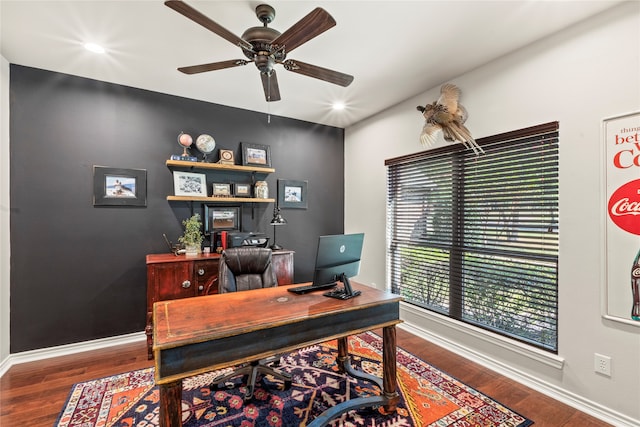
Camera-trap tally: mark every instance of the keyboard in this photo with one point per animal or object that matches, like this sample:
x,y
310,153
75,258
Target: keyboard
x,y
310,288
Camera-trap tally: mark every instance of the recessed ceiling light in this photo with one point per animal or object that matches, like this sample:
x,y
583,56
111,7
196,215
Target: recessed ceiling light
x,y
338,106
93,47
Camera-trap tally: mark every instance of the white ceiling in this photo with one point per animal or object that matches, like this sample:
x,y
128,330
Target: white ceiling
x,y
395,49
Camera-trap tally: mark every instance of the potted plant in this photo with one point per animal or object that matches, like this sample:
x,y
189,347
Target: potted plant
x,y
192,237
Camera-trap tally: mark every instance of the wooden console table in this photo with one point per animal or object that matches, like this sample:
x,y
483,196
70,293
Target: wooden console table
x,y
172,277
240,327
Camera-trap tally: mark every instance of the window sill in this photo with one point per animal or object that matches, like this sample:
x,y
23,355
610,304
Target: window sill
x,y
413,312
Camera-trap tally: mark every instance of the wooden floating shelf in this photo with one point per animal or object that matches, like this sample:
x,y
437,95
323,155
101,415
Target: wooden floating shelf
x,y
219,199
218,167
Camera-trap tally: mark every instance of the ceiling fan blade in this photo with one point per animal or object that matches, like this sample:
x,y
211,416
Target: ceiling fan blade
x,y
191,13
270,86
194,69
316,72
315,23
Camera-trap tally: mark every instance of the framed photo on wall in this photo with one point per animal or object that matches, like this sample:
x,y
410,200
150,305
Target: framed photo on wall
x,y
189,184
256,155
292,194
119,187
222,218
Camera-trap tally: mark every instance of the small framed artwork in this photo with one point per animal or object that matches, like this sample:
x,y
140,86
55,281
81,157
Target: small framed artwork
x,y
189,184
221,190
242,190
292,194
222,218
119,187
256,155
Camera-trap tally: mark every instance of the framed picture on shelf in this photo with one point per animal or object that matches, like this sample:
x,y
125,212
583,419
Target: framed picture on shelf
x,y
119,187
242,190
292,194
222,218
256,155
221,190
189,184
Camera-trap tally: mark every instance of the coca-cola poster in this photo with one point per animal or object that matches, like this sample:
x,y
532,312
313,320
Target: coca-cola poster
x,y
622,202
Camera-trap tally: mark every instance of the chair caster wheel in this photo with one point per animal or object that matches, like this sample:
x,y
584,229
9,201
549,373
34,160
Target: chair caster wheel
x,y
219,386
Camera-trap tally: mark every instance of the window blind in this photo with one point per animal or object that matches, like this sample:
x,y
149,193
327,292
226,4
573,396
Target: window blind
x,y
476,237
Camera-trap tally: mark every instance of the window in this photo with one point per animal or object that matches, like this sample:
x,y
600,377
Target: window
x,y
476,238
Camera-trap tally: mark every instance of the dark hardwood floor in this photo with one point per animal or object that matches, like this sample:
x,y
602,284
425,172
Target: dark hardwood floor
x,y
32,394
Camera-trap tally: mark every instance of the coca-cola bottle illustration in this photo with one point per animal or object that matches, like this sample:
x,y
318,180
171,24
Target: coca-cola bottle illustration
x,y
635,287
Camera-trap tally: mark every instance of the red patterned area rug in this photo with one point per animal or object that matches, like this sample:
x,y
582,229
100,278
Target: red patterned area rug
x,y
429,397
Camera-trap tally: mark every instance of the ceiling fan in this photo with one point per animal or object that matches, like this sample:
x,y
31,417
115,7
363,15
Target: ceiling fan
x,y
267,47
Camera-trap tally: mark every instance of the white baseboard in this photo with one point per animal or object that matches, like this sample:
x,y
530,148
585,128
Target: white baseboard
x,y
580,403
65,350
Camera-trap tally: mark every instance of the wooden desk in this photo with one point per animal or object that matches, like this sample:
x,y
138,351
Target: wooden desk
x,y
197,335
172,277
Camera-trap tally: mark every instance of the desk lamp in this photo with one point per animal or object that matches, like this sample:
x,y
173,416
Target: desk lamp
x,y
276,221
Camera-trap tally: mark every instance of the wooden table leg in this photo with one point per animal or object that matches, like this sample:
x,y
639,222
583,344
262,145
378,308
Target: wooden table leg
x,y
171,404
389,368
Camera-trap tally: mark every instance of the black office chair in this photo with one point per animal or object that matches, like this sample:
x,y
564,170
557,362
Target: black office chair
x,y
244,269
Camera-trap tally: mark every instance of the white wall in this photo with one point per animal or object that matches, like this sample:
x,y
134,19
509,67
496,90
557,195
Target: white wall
x,y
578,77
4,211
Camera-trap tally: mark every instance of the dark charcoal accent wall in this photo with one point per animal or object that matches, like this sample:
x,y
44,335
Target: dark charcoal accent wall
x,y
78,271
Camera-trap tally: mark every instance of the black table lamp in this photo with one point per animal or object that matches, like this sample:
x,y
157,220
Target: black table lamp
x,y
276,221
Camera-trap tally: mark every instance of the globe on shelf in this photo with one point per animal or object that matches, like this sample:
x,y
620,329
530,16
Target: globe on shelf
x,y
206,144
185,141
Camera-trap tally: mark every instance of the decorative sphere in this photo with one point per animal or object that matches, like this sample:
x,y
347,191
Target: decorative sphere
x,y
185,140
205,143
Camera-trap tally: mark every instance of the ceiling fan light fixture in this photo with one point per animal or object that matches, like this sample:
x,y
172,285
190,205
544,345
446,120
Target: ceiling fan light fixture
x,y
264,63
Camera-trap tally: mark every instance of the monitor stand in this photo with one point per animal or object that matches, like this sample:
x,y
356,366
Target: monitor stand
x,y
346,292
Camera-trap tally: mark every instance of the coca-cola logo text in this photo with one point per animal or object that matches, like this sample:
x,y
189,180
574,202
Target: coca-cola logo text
x,y
624,207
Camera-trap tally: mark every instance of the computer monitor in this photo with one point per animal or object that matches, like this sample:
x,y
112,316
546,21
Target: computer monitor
x,y
338,259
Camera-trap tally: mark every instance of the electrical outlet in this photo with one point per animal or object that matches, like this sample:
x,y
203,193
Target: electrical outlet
x,y
602,364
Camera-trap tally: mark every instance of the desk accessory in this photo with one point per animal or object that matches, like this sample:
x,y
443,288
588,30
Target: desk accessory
x,y
345,292
276,221
192,237
205,144
226,157
185,141
311,288
175,249
338,259
261,190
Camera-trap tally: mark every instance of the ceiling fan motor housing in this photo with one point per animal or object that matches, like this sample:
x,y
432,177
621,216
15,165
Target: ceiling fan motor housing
x,y
260,38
